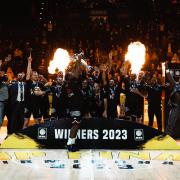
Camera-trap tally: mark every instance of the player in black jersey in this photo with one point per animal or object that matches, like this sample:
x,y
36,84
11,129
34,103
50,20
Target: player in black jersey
x,y
174,102
154,90
59,98
35,91
74,99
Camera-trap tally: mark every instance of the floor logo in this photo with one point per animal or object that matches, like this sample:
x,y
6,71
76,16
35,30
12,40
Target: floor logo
x,y
138,134
42,133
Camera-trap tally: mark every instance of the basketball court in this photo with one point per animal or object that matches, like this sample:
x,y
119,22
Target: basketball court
x,y
88,164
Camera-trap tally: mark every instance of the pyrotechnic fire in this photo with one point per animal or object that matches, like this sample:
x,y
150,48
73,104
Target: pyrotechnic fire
x,y
136,56
60,61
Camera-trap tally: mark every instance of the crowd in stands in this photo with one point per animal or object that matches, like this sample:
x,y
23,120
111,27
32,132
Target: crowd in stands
x,y
104,45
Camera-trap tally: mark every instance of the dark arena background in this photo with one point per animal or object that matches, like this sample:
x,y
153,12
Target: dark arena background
x,y
116,138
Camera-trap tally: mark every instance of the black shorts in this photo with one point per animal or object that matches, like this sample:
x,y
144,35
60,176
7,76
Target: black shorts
x,y
75,116
36,112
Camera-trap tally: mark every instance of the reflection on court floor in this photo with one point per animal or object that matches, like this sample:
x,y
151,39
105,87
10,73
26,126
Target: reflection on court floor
x,y
89,164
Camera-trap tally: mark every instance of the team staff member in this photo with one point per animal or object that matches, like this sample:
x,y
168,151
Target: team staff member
x,y
17,91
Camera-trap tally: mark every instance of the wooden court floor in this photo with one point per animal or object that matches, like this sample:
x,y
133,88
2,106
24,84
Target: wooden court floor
x,y
28,164
89,165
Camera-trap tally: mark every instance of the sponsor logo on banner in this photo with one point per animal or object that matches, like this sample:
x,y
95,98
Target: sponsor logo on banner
x,y
138,134
42,133
177,72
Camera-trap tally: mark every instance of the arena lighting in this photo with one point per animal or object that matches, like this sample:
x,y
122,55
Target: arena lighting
x,y
60,61
136,56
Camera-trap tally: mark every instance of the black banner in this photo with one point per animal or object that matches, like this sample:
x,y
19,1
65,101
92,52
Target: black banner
x,y
94,133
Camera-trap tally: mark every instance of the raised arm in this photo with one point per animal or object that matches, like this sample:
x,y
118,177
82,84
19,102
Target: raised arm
x,y
142,94
28,74
103,73
170,77
80,66
105,108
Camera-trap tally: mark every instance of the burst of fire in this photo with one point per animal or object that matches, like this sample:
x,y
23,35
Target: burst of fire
x,y
60,61
136,56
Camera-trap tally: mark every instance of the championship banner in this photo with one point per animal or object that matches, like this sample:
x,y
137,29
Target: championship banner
x,y
94,133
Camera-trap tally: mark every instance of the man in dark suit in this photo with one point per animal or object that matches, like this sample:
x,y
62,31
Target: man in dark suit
x,y
17,97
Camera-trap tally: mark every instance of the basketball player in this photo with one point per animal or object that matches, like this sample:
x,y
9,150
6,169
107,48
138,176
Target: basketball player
x,y
174,101
74,105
